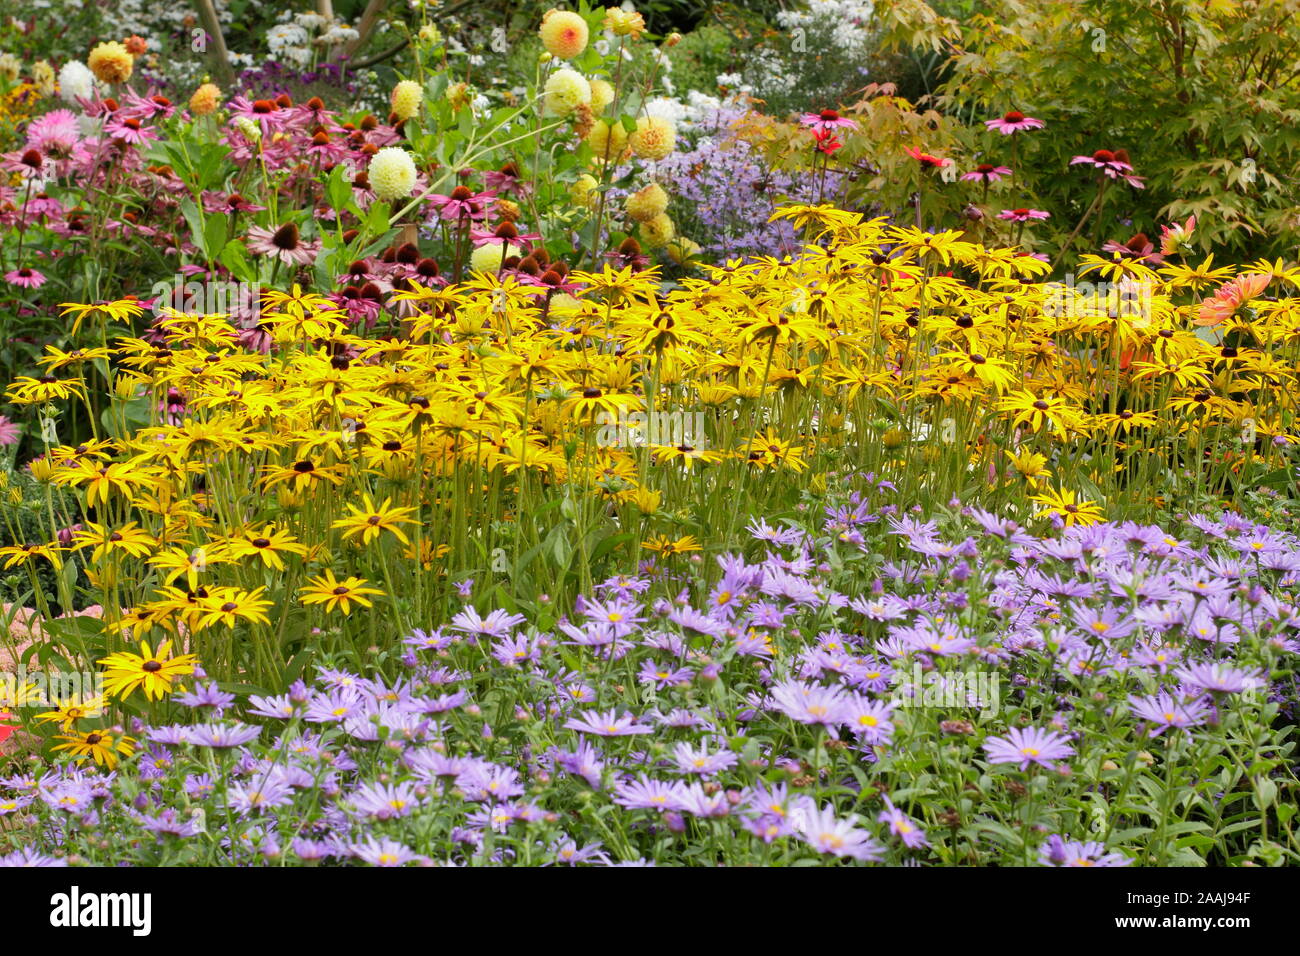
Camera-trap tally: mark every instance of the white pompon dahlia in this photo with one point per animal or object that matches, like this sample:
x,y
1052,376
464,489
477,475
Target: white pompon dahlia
x,y
392,173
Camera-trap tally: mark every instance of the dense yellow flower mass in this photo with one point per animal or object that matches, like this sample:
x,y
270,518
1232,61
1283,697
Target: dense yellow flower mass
x,y
339,471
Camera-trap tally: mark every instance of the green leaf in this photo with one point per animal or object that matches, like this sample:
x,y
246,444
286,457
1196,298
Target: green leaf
x,y
214,237
338,190
235,258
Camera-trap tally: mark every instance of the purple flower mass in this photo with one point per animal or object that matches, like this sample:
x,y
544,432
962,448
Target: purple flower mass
x,y
365,767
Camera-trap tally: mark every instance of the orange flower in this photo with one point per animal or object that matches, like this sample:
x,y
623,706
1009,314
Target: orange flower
x,y
1230,296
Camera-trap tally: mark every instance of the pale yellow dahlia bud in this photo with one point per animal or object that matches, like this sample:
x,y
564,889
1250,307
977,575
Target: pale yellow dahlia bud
x,y
565,91
406,99
623,23
672,40
490,256
43,77
458,96
563,33
252,132
682,250
602,94
654,138
111,63
583,191
392,173
429,35
657,232
607,140
10,66
507,210
205,100
645,204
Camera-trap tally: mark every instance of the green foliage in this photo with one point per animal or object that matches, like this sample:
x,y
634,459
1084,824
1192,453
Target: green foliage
x,y
26,520
1205,97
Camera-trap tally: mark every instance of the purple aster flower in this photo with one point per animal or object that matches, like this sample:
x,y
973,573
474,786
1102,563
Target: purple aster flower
x,y
277,708
810,703
385,801
489,781
870,720
583,761
1220,678
822,830
1058,851
1028,745
264,794
695,800
169,823
221,737
902,826
1162,712
383,852
498,623
568,851
698,760
647,794
206,696
334,706
199,786
28,856
607,724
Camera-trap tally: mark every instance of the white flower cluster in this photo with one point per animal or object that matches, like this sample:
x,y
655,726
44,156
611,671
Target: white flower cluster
x,y
289,43
842,23
76,82
293,38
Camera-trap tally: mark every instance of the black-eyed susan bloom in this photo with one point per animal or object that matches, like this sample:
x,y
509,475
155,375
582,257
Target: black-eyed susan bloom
x,y
1065,505
68,713
154,672
266,546
370,521
303,474
27,390
120,310
338,594
190,562
768,450
102,746
128,539
101,480
20,554
229,605
667,546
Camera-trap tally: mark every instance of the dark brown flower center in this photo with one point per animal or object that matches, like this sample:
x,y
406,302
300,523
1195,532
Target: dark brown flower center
x,y
286,238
